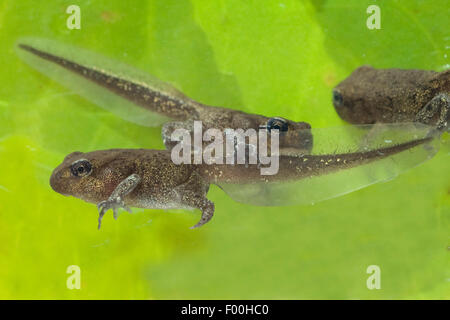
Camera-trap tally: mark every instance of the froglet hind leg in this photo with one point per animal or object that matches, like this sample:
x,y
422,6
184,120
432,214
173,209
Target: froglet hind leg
x,y
207,208
192,194
115,200
438,109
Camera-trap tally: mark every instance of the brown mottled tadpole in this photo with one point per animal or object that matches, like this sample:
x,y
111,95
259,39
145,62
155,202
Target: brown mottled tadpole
x,y
144,178
150,96
393,95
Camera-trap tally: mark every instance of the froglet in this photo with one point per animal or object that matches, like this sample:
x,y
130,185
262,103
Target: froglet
x,y
143,99
144,178
372,95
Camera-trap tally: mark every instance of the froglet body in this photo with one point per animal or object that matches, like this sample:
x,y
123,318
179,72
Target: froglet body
x,y
119,178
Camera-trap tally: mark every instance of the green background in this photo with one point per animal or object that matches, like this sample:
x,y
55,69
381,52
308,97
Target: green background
x,y
269,57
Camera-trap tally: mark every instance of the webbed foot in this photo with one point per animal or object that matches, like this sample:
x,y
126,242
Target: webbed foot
x,y
114,204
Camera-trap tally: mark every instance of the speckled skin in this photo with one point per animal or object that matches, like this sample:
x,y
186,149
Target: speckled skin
x,y
175,105
162,184
372,95
159,176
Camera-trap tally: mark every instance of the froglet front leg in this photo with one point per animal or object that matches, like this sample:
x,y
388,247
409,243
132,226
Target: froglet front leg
x,y
437,110
115,200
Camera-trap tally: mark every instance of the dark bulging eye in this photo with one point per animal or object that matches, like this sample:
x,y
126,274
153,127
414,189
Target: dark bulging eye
x,y
338,100
278,124
81,168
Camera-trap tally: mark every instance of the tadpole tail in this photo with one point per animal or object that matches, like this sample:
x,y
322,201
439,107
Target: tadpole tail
x,y
157,97
293,168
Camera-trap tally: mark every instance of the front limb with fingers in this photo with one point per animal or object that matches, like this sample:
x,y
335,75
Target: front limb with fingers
x,y
115,200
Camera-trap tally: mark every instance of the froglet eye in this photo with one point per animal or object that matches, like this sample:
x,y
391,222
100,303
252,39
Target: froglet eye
x,y
338,100
277,123
81,168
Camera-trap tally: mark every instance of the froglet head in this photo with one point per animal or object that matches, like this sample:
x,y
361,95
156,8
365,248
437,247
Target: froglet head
x,y
349,96
90,176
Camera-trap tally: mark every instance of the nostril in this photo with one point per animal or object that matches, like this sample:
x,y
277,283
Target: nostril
x,y
338,100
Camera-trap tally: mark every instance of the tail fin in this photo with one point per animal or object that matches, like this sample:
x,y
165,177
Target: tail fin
x,y
119,88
